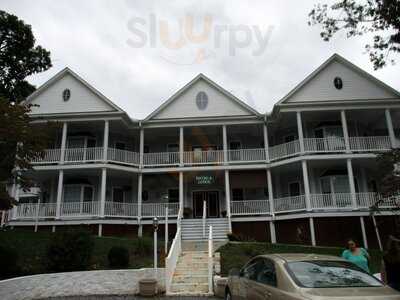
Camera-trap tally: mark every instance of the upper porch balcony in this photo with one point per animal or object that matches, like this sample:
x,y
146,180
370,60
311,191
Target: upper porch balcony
x,y
291,135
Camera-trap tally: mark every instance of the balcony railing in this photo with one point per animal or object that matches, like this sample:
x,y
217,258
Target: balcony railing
x,y
190,158
30,210
79,209
158,209
117,209
250,207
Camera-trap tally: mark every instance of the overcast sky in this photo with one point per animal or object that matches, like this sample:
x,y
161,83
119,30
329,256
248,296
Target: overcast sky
x,y
138,53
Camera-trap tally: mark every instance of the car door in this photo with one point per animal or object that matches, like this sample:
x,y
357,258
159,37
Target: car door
x,y
246,275
265,285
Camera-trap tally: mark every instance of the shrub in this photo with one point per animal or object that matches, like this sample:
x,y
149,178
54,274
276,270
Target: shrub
x,y
118,257
69,251
144,246
8,262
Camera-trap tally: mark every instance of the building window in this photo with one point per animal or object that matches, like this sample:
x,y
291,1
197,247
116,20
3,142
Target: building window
x,y
173,196
338,83
78,193
202,100
145,195
66,94
237,194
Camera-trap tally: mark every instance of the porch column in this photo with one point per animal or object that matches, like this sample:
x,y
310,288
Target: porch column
x,y
100,230
345,130
141,147
225,143
103,191
63,142
105,139
312,232
228,199
139,201
181,145
266,145
364,234
351,183
306,185
300,131
59,193
389,125
15,194
271,207
181,193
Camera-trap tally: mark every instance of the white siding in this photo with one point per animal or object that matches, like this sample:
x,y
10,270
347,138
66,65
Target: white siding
x,y
185,105
82,99
355,86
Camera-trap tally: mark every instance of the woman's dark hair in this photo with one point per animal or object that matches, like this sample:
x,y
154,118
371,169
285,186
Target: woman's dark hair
x,y
351,240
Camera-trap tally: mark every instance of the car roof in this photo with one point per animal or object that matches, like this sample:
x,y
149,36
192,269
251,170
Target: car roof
x,y
288,257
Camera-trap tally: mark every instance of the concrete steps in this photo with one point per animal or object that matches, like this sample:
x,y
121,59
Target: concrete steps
x,y
192,229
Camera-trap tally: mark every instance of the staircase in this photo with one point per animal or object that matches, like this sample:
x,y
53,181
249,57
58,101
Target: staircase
x,y
192,229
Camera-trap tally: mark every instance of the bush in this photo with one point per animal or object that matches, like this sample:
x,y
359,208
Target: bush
x,y
69,251
8,262
144,246
118,257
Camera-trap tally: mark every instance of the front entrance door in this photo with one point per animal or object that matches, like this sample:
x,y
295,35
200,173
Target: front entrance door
x,y
212,204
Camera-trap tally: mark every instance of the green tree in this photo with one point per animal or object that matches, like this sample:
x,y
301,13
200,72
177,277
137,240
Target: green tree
x,y
20,142
376,18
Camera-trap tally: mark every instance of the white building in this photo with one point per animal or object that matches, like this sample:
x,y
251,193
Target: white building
x,y
303,173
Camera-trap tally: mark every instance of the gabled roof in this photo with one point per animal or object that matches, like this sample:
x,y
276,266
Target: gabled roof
x,y
60,75
336,57
211,83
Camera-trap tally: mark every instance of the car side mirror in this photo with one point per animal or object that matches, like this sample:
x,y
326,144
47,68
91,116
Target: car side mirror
x,y
235,272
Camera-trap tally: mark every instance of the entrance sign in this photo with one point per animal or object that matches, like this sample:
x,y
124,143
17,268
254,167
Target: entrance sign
x,y
204,179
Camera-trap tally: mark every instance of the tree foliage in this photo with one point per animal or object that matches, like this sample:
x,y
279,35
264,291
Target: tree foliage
x,y
378,18
389,172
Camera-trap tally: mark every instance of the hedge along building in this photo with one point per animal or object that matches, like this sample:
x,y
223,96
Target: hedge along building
x,y
302,174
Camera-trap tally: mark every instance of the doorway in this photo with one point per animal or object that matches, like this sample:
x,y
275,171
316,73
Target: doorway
x,y
212,203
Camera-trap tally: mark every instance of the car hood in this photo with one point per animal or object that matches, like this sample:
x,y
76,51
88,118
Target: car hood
x,y
365,293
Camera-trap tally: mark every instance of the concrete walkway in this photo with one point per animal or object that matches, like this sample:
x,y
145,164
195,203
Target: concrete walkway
x,y
60,285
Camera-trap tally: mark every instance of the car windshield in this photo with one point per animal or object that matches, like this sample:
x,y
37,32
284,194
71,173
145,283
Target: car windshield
x,y
326,274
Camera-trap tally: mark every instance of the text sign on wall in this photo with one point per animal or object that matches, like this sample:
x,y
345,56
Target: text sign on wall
x,y
204,179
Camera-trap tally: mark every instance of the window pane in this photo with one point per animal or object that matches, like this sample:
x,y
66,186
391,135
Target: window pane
x,y
88,194
72,193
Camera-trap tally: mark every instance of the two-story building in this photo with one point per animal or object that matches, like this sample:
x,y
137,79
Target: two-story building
x,y
304,173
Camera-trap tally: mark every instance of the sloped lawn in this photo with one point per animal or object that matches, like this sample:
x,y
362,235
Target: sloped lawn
x,y
236,254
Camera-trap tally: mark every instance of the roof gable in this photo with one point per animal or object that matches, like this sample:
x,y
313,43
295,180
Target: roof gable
x,y
83,98
182,104
357,84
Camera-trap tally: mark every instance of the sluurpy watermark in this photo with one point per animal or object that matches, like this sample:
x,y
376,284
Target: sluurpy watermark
x,y
201,44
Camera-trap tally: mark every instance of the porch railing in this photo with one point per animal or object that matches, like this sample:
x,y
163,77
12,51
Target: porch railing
x,y
77,209
50,156
203,157
117,209
328,144
29,210
84,154
246,155
250,207
331,201
290,204
158,209
123,156
172,259
161,159
284,150
210,260
369,143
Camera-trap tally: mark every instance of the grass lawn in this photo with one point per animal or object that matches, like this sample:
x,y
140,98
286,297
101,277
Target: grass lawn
x,y
31,248
236,254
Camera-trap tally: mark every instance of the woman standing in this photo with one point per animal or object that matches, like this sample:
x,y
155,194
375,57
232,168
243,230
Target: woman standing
x,y
357,255
391,264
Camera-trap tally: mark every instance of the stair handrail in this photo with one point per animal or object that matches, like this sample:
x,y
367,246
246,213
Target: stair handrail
x,y
172,259
204,218
210,260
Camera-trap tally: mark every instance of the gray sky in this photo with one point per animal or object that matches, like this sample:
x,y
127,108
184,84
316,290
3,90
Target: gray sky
x,y
116,47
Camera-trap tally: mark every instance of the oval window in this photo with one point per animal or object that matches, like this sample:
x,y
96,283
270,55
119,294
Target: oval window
x,y
66,94
202,100
338,83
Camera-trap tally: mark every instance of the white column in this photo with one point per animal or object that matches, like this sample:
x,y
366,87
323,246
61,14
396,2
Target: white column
x,y
103,189
139,200
181,192
272,231
270,192
63,142
306,184
312,232
225,143
228,199
351,183
345,130
266,145
390,128
15,194
59,193
105,139
300,131
100,230
181,145
364,234
141,147
53,228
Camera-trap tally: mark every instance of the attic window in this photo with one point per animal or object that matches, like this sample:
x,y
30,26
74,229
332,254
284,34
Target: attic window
x,y
338,83
66,94
202,100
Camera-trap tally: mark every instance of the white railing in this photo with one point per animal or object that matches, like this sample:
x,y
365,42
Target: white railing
x,y
203,157
284,150
117,209
328,144
369,143
30,210
50,156
246,155
250,207
172,259
84,154
161,158
123,156
290,204
204,218
77,209
331,201
158,209
210,260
